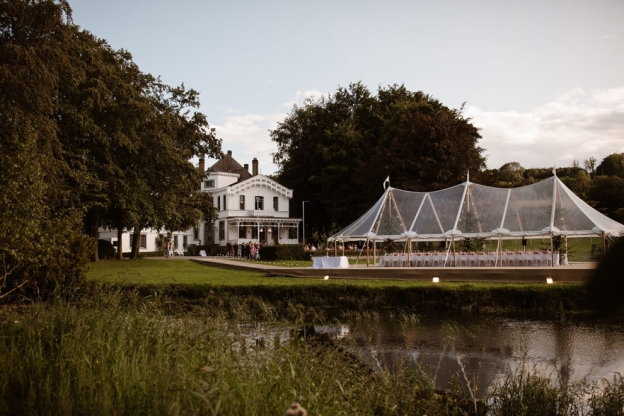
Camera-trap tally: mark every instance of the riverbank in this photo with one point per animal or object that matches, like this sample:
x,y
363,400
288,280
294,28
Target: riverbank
x,y
189,285
129,350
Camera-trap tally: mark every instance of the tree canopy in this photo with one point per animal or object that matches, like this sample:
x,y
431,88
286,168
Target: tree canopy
x,y
336,151
86,138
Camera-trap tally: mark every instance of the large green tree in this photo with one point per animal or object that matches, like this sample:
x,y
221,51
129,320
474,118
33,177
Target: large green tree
x,y
336,151
86,139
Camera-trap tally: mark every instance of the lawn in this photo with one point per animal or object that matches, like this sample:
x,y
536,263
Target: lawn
x,y
186,272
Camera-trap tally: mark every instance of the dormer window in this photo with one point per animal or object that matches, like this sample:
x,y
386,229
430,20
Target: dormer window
x,y
209,184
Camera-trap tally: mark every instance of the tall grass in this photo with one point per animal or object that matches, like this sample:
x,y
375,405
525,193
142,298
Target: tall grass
x,y
112,355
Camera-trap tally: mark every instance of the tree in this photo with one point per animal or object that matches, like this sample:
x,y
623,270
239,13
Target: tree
x,y
612,165
39,224
607,195
511,174
590,166
336,151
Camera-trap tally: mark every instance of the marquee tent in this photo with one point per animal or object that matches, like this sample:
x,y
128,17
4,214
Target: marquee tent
x,y
544,209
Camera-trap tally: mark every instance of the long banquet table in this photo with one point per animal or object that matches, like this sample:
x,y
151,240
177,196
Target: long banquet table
x,y
328,262
468,260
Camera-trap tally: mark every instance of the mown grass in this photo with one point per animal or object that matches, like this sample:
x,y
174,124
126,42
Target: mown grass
x,y
195,284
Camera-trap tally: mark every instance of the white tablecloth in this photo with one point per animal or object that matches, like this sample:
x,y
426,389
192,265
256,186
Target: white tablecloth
x,y
330,262
468,260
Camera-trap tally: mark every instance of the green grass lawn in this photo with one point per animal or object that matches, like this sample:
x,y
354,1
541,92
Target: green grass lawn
x,y
186,272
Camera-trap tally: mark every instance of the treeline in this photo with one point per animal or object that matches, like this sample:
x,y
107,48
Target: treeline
x,y
337,150
86,139
600,185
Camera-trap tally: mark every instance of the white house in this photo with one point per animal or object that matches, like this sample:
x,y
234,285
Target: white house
x,y
251,208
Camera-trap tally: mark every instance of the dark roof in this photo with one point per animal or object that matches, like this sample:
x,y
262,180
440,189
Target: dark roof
x,y
228,164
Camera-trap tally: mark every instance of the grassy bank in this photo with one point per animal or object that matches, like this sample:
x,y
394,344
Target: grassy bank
x,y
191,284
108,356
123,353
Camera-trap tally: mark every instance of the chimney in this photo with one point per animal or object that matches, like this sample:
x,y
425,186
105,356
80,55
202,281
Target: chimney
x,y
246,166
229,153
202,166
254,164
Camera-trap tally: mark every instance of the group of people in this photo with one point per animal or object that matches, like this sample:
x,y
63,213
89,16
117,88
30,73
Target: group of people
x,y
169,249
248,250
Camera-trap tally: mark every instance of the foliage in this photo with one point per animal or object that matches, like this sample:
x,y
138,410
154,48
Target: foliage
x,y
612,165
284,252
332,149
606,286
86,139
607,194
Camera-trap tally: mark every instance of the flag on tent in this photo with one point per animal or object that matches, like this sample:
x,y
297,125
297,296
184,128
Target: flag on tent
x,y
387,181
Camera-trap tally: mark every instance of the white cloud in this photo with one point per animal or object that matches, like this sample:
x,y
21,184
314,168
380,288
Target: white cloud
x,y
247,135
607,36
576,125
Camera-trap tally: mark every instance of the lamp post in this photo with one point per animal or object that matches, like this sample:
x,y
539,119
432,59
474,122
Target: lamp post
x,y
303,210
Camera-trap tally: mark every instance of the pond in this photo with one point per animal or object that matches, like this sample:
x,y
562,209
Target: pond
x,y
476,349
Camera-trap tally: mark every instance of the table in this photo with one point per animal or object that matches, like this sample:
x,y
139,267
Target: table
x,y
328,262
468,260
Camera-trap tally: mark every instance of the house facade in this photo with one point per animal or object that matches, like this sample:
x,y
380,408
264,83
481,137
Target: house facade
x,y
250,208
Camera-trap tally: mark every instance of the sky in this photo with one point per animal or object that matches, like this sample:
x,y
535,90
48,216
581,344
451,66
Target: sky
x,y
543,80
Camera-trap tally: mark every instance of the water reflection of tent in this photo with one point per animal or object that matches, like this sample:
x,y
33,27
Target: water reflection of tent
x,y
544,209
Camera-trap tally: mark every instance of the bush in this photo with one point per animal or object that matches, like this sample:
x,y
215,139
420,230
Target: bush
x,y
105,250
284,252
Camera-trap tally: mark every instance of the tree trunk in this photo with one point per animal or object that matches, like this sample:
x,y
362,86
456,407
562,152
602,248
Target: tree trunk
x,y
136,243
93,228
119,245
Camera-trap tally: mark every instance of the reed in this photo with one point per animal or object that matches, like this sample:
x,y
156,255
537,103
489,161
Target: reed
x,y
119,355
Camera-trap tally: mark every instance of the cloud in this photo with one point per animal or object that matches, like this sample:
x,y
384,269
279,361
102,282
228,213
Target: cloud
x,y
247,134
607,36
576,125
301,96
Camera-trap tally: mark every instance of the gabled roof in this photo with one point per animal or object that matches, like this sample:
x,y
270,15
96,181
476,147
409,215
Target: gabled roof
x,y
259,181
469,210
229,165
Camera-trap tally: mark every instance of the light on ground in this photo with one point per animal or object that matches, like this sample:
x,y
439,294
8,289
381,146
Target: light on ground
x,y
549,281
326,277
436,280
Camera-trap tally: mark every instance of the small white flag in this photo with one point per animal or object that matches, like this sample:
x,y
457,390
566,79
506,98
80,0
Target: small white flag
x,y
387,181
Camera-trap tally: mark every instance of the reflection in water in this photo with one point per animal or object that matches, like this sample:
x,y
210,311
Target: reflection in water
x,y
476,349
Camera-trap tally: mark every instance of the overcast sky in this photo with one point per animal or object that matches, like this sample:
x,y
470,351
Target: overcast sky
x,y
544,80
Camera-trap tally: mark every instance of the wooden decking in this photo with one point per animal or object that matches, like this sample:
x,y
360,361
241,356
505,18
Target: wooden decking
x,y
575,272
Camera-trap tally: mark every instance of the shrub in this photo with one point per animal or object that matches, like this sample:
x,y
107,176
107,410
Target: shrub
x,y
284,252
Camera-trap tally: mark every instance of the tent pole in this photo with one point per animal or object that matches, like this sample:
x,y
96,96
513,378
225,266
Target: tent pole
x,y
342,248
409,249
367,253
500,256
552,250
454,258
335,249
374,252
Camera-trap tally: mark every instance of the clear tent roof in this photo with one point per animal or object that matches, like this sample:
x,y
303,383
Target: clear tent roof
x,y
471,210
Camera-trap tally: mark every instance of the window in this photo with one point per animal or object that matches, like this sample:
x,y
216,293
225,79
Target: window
x,y
218,203
142,240
221,230
242,232
259,203
175,242
209,184
224,208
196,233
184,241
242,202
275,203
